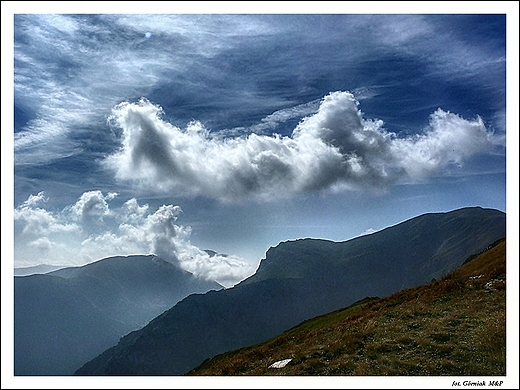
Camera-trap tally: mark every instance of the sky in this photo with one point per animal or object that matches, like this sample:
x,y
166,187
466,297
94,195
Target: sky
x,y
174,134
169,131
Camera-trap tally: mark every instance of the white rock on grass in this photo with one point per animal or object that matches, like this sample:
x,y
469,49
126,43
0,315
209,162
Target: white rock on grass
x,y
280,363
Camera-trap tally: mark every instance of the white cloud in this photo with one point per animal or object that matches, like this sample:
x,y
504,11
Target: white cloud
x,y
131,229
334,148
227,270
38,221
68,78
159,234
70,69
43,244
132,212
270,122
92,205
449,139
34,200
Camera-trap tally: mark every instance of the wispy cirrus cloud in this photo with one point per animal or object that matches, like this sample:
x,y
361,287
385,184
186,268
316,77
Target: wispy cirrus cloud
x,y
71,69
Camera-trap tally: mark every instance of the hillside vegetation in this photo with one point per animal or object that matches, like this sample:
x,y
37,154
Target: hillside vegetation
x,y
453,326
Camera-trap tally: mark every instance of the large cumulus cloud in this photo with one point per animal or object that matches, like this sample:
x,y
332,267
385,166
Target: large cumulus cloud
x,y
90,230
334,148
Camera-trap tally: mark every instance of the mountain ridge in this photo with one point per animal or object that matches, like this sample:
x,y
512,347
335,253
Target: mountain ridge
x,y
36,269
409,224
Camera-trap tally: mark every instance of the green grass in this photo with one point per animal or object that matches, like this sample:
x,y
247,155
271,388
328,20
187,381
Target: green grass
x,y
453,326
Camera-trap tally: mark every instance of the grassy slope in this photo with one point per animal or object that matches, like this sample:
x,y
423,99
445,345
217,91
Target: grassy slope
x,y
454,326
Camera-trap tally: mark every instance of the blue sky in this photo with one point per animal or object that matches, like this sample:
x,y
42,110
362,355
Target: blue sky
x,y
176,133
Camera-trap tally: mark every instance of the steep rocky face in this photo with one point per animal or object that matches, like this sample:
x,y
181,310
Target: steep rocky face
x,y
298,280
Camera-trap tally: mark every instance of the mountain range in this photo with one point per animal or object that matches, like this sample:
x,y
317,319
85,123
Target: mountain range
x,y
37,269
299,280
64,318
